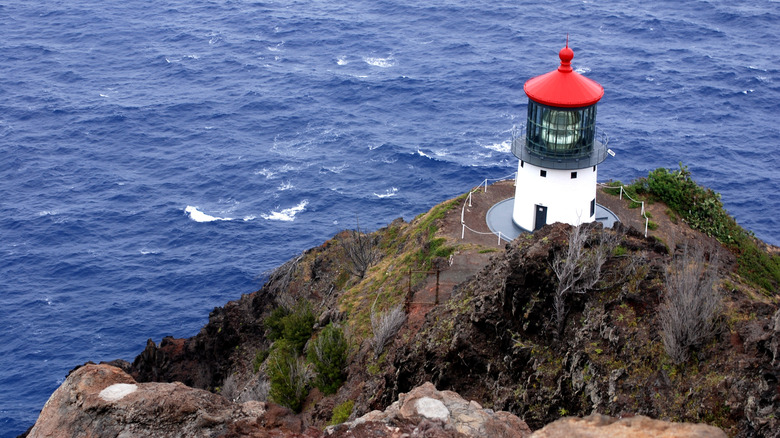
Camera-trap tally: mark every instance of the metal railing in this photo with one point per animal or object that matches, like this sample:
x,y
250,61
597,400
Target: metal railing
x,y
548,160
642,203
481,186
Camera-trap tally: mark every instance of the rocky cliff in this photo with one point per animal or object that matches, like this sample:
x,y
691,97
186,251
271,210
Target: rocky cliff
x,y
477,319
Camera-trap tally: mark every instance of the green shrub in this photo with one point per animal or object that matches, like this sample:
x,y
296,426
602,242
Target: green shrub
x,y
289,375
758,267
328,354
342,412
274,323
700,207
298,325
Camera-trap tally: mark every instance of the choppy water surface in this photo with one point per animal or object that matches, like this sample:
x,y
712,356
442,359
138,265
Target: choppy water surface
x,y
156,158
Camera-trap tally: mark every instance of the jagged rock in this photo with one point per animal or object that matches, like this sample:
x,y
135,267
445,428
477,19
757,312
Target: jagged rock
x,y
430,413
102,400
601,426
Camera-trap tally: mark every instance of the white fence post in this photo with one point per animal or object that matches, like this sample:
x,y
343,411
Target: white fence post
x,y
463,231
647,221
621,193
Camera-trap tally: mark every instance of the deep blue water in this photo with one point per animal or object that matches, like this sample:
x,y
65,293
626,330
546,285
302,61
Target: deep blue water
x,y
127,126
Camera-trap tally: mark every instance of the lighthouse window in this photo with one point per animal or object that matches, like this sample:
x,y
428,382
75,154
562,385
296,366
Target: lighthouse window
x,y
593,207
560,133
573,175
543,173
521,163
560,129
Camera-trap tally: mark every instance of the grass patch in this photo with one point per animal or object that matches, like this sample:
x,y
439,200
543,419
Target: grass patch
x,y
342,412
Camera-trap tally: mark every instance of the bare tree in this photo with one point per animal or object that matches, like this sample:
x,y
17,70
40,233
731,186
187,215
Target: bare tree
x,y
385,326
256,388
280,279
361,251
578,269
688,314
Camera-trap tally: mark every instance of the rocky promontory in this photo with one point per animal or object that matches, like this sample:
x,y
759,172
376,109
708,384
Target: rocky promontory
x,y
418,330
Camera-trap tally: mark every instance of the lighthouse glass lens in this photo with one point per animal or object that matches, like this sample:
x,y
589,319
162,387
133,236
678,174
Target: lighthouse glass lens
x,y
560,129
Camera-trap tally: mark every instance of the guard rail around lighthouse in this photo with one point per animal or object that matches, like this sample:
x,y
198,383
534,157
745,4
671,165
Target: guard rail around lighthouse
x,y
467,202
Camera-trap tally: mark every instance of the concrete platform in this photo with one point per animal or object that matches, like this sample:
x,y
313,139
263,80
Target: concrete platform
x,y
499,219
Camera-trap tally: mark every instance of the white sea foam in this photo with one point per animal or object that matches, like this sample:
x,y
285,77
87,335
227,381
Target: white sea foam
x,y
342,60
199,216
336,169
288,214
389,193
423,154
145,251
268,174
47,213
380,62
251,217
504,146
285,186
582,70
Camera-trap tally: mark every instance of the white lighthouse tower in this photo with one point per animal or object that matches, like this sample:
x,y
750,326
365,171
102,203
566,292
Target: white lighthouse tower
x,y
559,154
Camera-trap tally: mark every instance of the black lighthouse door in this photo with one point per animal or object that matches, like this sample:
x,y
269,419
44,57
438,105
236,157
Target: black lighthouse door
x,y
541,217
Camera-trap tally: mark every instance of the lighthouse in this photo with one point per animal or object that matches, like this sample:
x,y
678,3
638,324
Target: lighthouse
x,y
559,153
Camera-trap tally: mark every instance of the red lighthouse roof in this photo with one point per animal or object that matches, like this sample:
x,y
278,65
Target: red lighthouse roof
x,y
564,87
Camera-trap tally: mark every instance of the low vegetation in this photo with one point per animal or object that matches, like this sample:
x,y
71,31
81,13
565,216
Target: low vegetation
x,y
692,304
385,326
703,210
328,354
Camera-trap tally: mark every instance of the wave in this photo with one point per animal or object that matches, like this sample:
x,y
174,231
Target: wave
x,y
342,60
503,147
423,154
268,174
199,216
389,193
334,169
380,62
288,214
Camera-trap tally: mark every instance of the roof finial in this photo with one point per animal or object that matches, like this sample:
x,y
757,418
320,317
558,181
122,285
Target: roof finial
x,y
566,54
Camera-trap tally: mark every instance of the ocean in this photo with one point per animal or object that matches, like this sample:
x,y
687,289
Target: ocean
x,y
158,158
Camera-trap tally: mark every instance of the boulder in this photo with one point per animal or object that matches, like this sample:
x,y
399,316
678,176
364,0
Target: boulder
x,y
601,426
425,411
103,400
